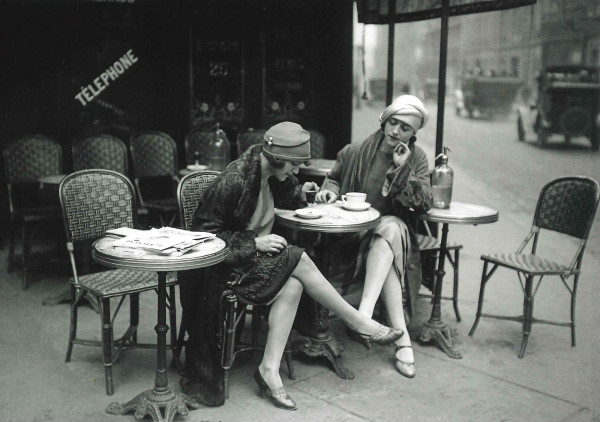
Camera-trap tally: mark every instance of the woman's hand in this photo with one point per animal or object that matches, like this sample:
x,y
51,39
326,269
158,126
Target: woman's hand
x,y
309,187
401,154
327,196
270,243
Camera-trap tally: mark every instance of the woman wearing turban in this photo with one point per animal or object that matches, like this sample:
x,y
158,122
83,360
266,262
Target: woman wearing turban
x,y
394,173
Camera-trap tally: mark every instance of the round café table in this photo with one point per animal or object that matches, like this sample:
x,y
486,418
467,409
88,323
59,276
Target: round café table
x,y
206,254
312,322
459,213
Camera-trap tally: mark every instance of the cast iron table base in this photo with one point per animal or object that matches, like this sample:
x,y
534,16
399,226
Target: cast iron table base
x,y
435,330
315,341
151,401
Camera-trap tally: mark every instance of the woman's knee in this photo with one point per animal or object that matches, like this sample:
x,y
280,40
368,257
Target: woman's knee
x,y
305,264
293,287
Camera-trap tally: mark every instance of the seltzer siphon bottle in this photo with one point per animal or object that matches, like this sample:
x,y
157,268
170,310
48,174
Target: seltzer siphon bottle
x,y
441,181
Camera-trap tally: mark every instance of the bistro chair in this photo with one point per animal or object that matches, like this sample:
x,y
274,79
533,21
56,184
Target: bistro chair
x,y
248,138
94,201
566,206
154,155
25,161
317,144
190,190
100,152
428,244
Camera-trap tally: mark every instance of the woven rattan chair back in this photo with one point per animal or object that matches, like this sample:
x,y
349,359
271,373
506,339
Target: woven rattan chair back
x,y
568,205
153,154
189,191
100,152
317,144
94,201
29,158
248,138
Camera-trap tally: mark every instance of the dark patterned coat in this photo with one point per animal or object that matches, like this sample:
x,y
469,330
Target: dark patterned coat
x,y
226,208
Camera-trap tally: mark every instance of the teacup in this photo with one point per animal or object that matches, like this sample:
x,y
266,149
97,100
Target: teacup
x,y
354,197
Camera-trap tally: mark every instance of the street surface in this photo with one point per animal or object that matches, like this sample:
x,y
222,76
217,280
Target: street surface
x,y
491,167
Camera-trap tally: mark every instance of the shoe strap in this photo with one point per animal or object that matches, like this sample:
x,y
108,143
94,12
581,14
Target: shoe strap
x,y
381,331
396,347
279,393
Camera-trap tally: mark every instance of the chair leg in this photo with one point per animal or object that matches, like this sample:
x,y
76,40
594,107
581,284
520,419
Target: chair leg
x,y
73,324
573,308
107,346
11,246
178,347
173,318
290,362
25,258
228,341
455,287
484,278
134,315
255,324
527,314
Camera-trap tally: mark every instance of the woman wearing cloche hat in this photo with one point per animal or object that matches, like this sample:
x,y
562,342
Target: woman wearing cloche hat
x,y
262,268
394,173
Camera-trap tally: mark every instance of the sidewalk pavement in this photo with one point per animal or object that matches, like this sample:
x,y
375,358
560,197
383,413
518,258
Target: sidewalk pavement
x,y
553,382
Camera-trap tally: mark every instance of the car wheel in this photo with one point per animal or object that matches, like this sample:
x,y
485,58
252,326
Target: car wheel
x,y
520,129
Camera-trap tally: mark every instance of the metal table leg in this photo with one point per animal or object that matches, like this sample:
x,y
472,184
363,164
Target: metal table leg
x,y
314,338
150,402
435,329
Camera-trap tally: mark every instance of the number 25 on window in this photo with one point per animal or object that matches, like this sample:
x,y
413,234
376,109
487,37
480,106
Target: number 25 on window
x,y
218,69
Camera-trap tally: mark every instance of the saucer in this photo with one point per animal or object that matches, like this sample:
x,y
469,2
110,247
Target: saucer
x,y
308,213
194,167
355,206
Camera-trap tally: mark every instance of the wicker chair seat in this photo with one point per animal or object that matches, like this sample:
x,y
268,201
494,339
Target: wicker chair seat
x,y
162,204
430,243
119,282
527,263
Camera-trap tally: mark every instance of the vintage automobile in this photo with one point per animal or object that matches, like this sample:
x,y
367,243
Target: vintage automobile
x,y
568,103
488,96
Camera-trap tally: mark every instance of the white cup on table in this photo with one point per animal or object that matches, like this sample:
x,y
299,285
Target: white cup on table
x,y
354,197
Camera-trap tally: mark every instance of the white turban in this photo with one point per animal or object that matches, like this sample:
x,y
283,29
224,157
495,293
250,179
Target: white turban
x,y
409,109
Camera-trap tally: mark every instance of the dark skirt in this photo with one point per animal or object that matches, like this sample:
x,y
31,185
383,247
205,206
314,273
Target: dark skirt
x,y
260,283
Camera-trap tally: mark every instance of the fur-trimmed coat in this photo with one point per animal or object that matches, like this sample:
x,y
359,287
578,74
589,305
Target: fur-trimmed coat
x,y
226,208
229,203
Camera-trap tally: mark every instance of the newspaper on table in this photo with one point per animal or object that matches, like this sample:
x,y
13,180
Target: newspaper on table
x,y
163,241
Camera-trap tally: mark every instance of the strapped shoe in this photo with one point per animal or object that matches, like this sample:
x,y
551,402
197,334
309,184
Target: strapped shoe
x,y
384,335
405,368
278,397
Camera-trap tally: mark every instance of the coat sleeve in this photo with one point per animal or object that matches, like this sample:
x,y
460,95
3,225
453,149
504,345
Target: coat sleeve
x,y
215,214
333,180
410,186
